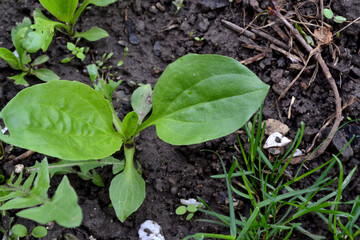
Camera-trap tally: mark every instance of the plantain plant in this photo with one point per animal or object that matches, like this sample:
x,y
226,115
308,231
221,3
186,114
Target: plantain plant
x,y
67,12
197,98
21,60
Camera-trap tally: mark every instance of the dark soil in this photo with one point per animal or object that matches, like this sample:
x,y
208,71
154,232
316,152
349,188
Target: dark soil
x,y
171,172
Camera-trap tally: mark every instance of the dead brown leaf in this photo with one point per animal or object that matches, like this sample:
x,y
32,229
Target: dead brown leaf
x,y
323,35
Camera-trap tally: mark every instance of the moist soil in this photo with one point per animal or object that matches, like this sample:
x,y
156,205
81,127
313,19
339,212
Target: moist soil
x,y
158,37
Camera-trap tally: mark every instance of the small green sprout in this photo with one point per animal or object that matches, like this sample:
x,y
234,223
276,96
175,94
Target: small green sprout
x,y
78,52
191,209
178,4
328,13
19,230
199,39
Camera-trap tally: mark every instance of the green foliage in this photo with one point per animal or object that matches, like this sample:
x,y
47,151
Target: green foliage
x,y
78,52
276,206
328,13
67,13
178,4
198,98
19,230
26,42
191,209
39,232
32,194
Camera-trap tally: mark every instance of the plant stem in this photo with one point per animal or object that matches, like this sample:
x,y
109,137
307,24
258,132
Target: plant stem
x,y
77,14
129,150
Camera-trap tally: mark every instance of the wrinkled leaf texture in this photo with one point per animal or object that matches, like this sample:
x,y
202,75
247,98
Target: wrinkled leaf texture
x,y
63,119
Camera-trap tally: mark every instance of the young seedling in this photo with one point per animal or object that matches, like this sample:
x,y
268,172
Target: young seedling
x,y
78,52
19,230
21,60
191,209
197,98
67,13
328,13
178,4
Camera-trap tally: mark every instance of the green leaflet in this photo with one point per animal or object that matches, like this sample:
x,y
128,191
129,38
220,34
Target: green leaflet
x,y
10,58
129,125
61,9
63,208
45,74
64,119
203,97
141,101
93,34
19,79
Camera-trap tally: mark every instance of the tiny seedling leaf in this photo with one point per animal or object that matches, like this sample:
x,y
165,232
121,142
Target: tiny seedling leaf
x,y
101,3
181,210
45,74
19,230
339,19
191,208
80,56
46,119
93,72
93,34
66,60
203,97
328,13
70,46
189,216
39,232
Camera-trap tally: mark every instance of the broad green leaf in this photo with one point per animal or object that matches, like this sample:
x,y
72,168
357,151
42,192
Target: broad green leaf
x,y
93,34
33,41
64,119
63,208
61,9
46,27
39,232
19,230
40,60
129,125
19,79
45,74
101,3
10,58
328,13
204,97
141,101
127,192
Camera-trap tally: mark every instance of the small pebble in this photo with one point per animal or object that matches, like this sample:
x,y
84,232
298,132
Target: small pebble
x,y
150,230
153,9
276,140
19,168
160,7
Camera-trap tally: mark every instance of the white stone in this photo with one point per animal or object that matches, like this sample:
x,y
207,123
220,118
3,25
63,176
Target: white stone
x,y
3,130
276,140
190,201
19,168
150,230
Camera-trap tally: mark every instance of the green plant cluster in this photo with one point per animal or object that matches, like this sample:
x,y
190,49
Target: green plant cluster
x,y
197,98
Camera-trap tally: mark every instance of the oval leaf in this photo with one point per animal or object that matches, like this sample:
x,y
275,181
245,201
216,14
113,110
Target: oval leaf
x,y
93,34
204,97
10,58
45,74
61,9
141,101
39,232
127,192
101,3
64,119
19,230
328,13
129,125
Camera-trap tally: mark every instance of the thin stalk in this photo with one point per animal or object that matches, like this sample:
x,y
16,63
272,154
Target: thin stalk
x,y
129,150
77,14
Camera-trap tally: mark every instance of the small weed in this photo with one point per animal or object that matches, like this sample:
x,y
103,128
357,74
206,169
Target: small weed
x,y
328,13
78,52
